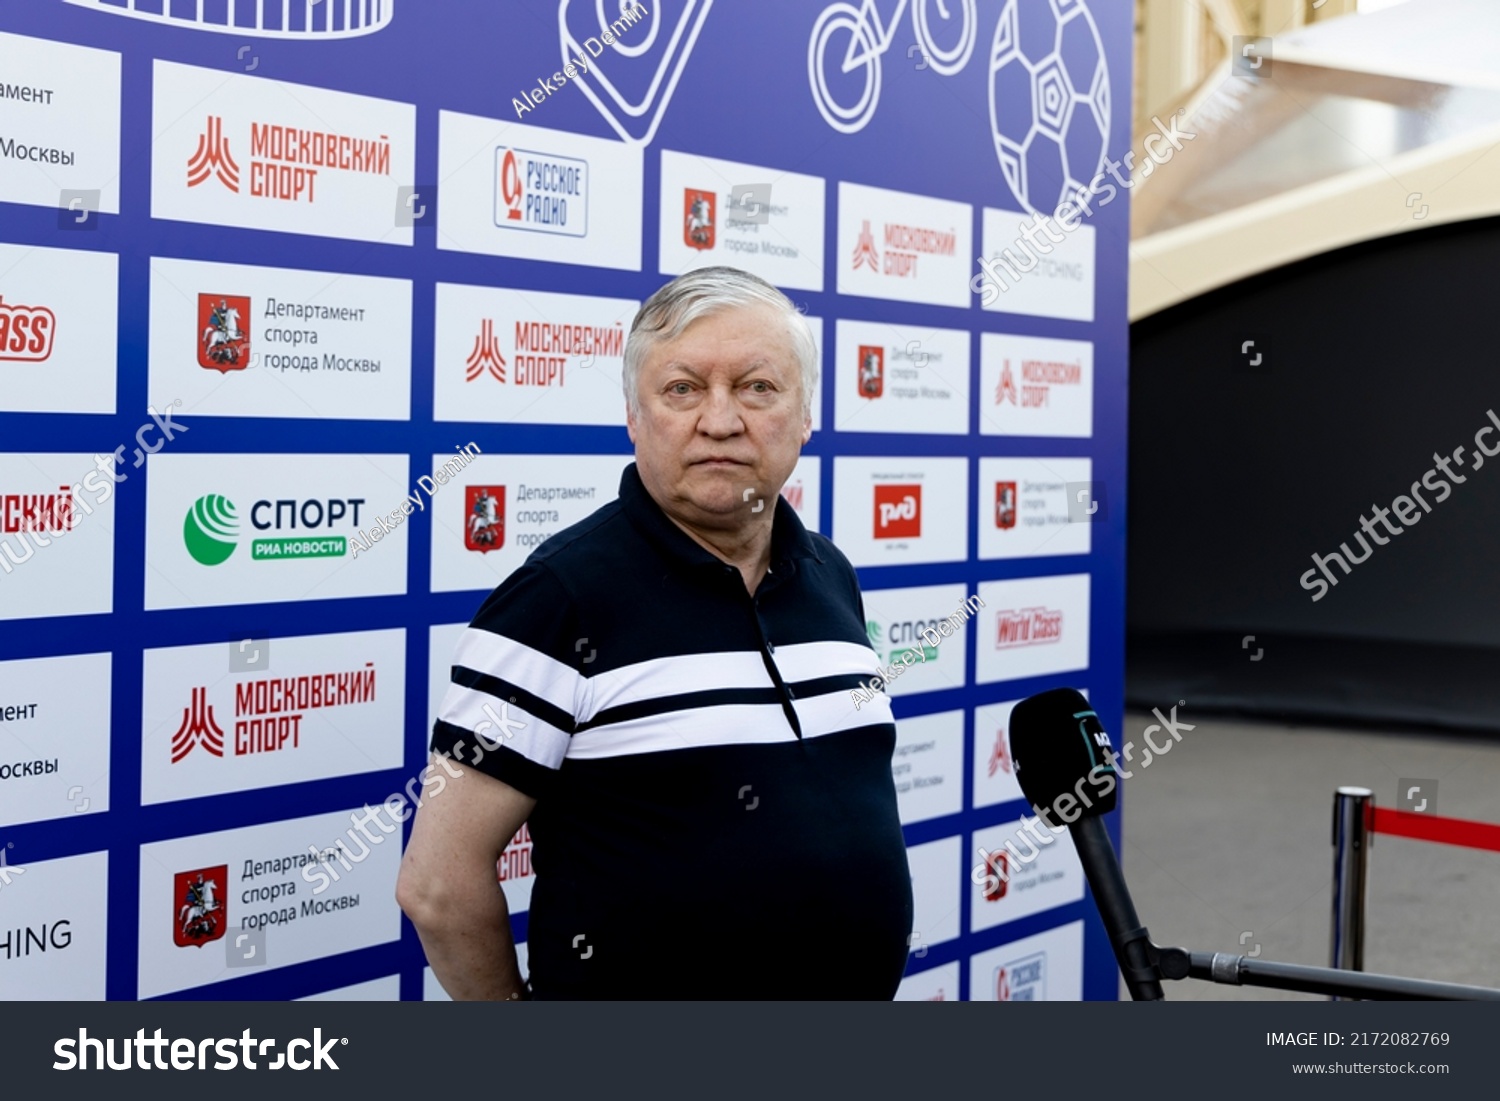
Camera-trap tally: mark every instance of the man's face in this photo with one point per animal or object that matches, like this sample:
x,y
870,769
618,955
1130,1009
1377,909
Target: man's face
x,y
721,413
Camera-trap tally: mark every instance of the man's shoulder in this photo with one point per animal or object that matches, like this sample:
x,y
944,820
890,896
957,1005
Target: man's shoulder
x,y
603,533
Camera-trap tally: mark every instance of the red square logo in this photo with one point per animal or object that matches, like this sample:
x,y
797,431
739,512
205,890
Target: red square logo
x,y
224,332
201,905
871,370
898,511
1005,505
698,216
484,528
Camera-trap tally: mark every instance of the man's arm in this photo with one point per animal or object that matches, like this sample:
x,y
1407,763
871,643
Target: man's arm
x,y
448,886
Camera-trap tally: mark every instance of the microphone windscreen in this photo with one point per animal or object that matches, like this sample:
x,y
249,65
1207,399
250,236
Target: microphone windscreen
x,y
1060,749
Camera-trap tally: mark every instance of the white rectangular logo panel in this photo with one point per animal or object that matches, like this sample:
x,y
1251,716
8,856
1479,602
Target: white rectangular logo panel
x,y
234,150
894,512
234,341
1025,872
913,248
502,507
1024,509
538,194
206,901
902,622
57,534
253,529
60,126
894,378
1058,283
936,984
58,326
1035,386
994,767
527,357
935,875
1047,967
764,220
235,716
928,766
53,935
1032,627
54,738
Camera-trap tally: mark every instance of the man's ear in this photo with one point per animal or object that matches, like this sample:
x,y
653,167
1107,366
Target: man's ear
x,y
630,422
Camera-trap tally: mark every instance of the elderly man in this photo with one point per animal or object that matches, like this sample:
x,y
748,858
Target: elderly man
x,y
663,691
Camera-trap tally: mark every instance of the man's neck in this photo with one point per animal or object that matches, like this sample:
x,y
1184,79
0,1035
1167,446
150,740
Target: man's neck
x,y
747,549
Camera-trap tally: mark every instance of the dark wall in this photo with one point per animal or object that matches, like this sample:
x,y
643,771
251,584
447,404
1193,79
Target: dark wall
x,y
1376,357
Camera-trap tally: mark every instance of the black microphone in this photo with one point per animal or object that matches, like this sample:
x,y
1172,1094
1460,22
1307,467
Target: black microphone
x,y
1065,766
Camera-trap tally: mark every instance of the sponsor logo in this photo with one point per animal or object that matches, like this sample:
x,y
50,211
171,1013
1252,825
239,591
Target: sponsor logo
x,y
200,899
898,511
1022,980
1005,390
486,354
284,160
211,529
212,159
864,250
44,512
997,878
1028,627
1038,376
484,518
199,727
224,332
699,217
1000,755
515,861
871,370
26,332
541,192
1005,505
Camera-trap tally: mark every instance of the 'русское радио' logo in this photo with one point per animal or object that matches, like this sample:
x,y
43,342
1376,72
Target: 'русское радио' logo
x,y
210,531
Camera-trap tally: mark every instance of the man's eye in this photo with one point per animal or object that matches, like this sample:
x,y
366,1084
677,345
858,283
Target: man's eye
x,y
761,387
679,388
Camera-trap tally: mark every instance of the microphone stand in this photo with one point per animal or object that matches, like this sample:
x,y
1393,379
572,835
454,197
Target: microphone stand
x,y
1144,964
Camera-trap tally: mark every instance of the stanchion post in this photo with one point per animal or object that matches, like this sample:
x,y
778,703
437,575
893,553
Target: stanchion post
x,y
1352,810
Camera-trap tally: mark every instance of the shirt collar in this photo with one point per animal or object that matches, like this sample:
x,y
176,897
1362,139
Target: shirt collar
x,y
789,538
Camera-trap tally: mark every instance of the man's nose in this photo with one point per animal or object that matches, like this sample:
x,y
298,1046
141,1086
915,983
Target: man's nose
x,y
720,415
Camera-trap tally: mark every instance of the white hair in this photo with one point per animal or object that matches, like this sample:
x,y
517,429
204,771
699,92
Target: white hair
x,y
702,292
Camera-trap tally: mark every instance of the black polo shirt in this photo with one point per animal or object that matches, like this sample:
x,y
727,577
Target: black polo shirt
x,y
714,817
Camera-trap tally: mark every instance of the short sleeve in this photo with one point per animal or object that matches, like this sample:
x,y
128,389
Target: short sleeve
x,y
514,692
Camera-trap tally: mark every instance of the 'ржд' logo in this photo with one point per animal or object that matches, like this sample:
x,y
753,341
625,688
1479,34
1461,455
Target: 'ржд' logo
x,y
201,901
1005,505
26,332
871,371
213,158
486,354
223,332
699,210
211,529
898,511
541,192
484,529
199,727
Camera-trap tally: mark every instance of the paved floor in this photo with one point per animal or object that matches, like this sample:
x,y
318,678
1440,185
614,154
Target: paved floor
x,y
1228,846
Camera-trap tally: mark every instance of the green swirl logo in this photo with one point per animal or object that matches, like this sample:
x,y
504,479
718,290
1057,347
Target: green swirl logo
x,y
211,529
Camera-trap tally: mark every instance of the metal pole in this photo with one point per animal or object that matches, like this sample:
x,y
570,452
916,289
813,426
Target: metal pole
x,y
1352,810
